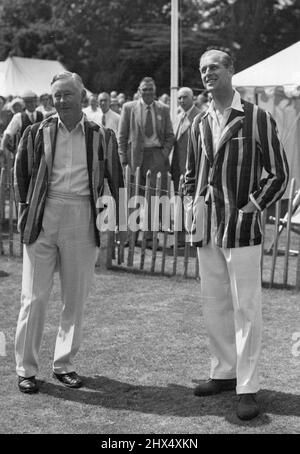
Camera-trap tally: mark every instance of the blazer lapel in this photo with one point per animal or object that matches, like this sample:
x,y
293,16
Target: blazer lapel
x,y
137,110
89,138
49,138
233,124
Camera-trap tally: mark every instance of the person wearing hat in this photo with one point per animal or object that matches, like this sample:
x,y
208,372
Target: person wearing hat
x,y
16,105
20,121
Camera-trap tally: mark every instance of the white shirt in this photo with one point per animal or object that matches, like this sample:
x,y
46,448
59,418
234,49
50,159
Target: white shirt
x,y
112,120
152,141
16,123
219,120
92,115
69,171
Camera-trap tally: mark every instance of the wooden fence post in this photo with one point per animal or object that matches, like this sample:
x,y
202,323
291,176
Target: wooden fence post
x,y
288,233
275,241
2,207
165,229
131,234
155,223
145,220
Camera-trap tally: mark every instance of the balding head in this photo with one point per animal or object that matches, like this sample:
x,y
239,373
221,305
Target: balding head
x,y
185,98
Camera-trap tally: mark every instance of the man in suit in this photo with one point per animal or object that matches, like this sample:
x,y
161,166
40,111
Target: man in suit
x,y
182,126
59,173
20,121
228,150
146,137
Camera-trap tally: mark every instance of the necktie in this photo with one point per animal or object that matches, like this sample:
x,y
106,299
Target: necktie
x,y
103,120
31,117
149,123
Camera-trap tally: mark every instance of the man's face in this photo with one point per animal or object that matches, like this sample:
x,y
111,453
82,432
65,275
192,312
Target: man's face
x,y
104,102
30,104
94,102
67,98
147,92
215,76
185,100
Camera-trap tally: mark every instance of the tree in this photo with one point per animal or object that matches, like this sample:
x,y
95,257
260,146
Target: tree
x,y
112,44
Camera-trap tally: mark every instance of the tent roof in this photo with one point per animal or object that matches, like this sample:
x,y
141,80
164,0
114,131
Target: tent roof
x,y
282,68
18,74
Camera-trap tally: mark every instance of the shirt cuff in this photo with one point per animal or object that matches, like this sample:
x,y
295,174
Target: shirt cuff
x,y
254,201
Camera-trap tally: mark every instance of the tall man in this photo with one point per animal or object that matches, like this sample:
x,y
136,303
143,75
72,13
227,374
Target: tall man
x,y
228,149
146,137
59,172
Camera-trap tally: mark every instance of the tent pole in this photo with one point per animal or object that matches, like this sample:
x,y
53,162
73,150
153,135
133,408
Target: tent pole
x,y
174,59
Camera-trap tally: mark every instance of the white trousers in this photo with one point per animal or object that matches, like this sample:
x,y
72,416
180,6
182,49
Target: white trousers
x,y
231,301
66,241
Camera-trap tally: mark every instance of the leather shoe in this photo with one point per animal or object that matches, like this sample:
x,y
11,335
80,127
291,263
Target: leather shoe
x,y
70,380
247,407
27,385
215,386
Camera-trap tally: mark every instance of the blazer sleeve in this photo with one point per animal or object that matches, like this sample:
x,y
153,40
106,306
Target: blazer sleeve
x,y
189,185
123,134
274,162
23,165
113,168
169,137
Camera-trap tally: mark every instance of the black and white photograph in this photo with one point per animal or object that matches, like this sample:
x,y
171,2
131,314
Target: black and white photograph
x,y
149,220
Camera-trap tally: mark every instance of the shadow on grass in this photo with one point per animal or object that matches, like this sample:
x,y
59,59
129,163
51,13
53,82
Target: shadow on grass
x,y
172,400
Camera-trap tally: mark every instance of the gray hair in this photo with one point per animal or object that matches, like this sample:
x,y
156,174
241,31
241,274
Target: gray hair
x,y
69,75
186,90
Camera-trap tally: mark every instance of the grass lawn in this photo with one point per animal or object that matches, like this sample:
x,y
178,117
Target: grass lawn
x,y
144,350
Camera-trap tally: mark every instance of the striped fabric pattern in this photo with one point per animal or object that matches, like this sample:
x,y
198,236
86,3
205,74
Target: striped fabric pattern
x,y
248,145
33,166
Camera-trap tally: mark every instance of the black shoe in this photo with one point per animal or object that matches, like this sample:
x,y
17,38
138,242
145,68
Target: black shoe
x,y
28,385
70,380
247,407
214,386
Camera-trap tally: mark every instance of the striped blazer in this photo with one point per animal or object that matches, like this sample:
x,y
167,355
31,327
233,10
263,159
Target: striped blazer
x,y
248,145
33,165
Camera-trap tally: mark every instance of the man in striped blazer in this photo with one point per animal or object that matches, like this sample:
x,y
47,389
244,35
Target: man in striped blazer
x,y
225,193
59,174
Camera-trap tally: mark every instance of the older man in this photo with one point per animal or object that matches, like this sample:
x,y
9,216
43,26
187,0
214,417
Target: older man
x,y
182,126
21,120
92,111
229,148
59,172
146,136
107,117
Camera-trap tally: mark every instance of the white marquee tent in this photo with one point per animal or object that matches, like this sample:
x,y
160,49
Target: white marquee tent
x,y
18,74
274,84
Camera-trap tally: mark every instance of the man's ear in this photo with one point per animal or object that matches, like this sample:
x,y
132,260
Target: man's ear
x,y
83,94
